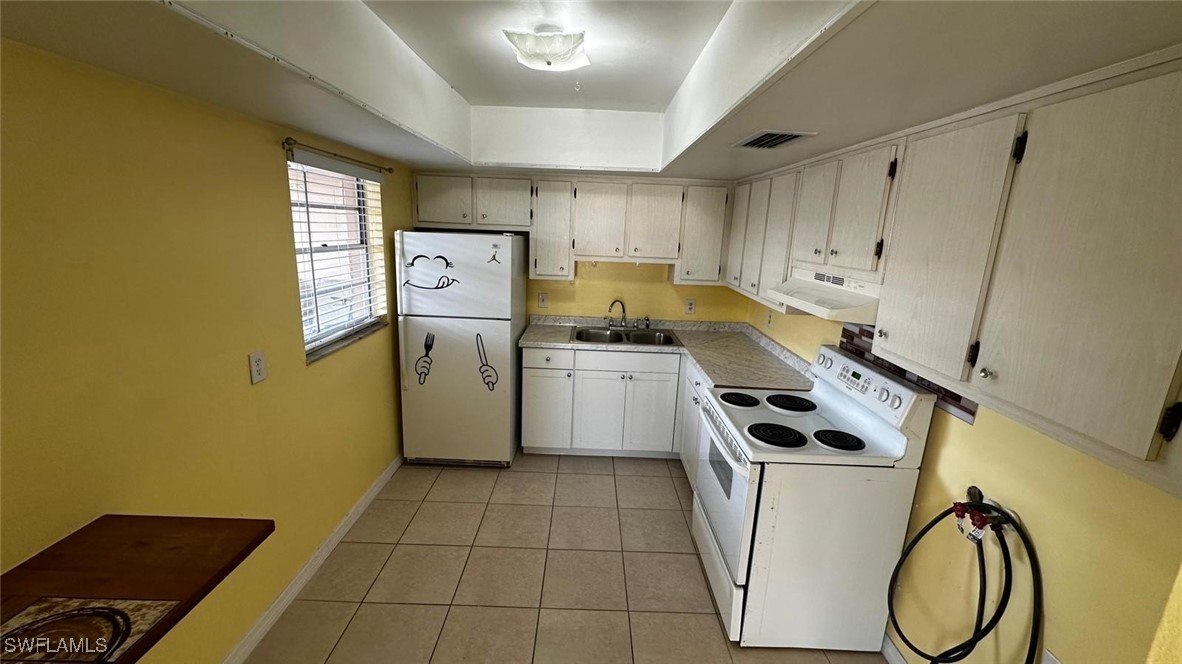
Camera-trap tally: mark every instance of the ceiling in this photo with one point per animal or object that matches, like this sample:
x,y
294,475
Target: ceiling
x,y
896,65
901,64
639,51
147,41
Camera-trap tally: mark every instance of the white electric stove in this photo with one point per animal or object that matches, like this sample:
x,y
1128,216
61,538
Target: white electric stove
x,y
802,501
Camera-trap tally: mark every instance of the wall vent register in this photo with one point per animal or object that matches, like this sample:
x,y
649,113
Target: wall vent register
x,y
766,140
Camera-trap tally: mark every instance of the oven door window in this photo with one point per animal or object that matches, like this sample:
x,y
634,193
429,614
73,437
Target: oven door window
x,y
722,470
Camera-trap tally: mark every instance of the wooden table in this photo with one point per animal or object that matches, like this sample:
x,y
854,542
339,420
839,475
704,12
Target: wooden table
x,y
133,557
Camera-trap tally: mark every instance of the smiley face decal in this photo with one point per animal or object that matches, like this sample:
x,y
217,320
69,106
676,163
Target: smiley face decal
x,y
428,268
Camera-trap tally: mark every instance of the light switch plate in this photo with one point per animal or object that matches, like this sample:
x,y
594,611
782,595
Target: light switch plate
x,y
543,300
691,306
258,367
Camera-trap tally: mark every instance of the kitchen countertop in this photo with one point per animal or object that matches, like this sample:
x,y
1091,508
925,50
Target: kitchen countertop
x,y
728,353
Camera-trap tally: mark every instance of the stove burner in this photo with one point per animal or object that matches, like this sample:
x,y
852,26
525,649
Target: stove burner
x,y
739,399
791,402
777,435
839,440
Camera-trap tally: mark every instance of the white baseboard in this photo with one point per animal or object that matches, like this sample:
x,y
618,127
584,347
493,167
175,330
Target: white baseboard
x,y
891,653
263,625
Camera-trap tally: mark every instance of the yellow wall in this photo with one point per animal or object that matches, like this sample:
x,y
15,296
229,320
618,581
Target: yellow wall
x,y
1110,546
147,248
1167,645
645,289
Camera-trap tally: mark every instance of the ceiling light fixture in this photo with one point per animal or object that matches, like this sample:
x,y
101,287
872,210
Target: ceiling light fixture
x,y
548,48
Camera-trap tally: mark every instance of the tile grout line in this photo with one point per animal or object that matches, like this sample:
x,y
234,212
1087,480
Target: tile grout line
x,y
624,567
545,564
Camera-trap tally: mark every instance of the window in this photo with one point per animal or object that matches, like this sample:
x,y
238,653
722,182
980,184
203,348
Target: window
x,y
337,219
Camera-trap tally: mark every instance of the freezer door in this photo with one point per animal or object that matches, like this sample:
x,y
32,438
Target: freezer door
x,y
454,274
457,388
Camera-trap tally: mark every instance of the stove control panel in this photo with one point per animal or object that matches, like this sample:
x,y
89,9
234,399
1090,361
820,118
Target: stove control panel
x,y
875,390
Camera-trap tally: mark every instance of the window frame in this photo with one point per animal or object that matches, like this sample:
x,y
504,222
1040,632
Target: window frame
x,y
375,282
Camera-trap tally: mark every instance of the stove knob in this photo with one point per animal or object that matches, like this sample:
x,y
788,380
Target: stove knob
x,y
884,394
828,362
821,359
896,402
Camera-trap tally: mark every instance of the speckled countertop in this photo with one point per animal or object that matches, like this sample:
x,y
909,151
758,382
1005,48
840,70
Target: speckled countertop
x,y
730,354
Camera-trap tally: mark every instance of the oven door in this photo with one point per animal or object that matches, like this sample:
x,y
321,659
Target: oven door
x,y
727,488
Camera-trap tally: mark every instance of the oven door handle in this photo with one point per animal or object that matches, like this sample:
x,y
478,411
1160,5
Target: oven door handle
x,y
725,453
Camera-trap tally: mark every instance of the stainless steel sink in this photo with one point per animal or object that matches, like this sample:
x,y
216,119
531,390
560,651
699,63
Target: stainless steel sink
x,y
653,338
597,335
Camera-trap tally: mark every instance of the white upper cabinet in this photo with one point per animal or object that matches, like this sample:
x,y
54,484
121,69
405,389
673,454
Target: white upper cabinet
x,y
601,212
734,253
503,201
1083,320
550,240
654,219
701,236
444,199
781,205
951,198
860,208
814,212
753,244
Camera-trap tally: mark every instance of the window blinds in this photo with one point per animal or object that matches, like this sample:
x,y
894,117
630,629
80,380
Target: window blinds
x,y
340,258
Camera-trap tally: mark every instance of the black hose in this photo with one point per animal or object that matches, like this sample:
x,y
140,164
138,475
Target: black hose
x,y
981,629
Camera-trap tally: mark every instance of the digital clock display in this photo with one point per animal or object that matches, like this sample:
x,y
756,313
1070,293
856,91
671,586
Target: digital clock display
x,y
856,375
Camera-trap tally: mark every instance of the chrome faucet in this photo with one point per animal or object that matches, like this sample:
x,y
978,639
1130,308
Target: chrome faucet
x,y
623,313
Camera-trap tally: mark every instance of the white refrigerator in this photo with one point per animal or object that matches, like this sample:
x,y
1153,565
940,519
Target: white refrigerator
x,y
461,310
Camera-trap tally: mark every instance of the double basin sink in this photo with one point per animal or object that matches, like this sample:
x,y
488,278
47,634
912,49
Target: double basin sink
x,y
605,335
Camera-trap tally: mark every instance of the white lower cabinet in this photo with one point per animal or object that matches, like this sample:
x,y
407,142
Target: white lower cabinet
x,y
650,409
547,396
687,417
603,401
599,409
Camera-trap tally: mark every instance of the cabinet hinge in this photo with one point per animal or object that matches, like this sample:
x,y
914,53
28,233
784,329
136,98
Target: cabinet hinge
x,y
678,248
683,197
893,168
1020,146
974,351
1171,420
878,248
531,191
572,243
531,215
576,192
535,264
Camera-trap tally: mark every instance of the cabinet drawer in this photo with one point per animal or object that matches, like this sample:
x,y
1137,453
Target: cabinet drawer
x,y
547,358
697,378
616,361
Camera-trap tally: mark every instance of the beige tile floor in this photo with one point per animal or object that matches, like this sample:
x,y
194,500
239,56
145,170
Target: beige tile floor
x,y
558,560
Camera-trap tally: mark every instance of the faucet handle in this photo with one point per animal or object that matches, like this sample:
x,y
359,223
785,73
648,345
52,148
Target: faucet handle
x,y
647,323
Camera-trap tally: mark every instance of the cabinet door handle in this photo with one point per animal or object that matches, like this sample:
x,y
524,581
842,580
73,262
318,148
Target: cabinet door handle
x,y
697,383
882,334
568,374
687,273
464,215
621,376
816,252
629,376
696,401
562,269
986,372
832,252
617,250
483,215
636,249
547,358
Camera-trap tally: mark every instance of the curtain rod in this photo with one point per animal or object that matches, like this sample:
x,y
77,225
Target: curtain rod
x,y
289,143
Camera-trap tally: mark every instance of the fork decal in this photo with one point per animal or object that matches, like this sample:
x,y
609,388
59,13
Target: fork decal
x,y
423,364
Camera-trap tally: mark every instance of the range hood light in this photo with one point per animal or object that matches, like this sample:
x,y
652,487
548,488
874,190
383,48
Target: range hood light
x,y
548,49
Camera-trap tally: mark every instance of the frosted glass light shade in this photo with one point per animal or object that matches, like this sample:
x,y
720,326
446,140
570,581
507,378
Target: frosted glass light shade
x,y
549,51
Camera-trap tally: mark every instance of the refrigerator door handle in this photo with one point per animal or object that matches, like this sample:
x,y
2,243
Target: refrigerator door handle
x,y
401,354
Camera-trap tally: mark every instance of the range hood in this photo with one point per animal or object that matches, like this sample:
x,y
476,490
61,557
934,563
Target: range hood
x,y
828,296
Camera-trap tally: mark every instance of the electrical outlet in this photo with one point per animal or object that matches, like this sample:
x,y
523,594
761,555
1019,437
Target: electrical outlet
x,y
1049,658
543,300
258,367
769,319
691,307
